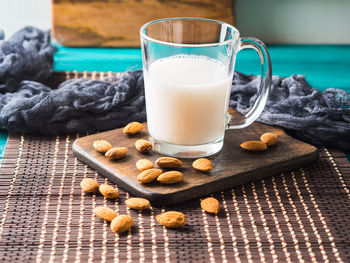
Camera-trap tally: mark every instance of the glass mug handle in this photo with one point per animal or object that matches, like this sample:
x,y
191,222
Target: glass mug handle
x,y
265,84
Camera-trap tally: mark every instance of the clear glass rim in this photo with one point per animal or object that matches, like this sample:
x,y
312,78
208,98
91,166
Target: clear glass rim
x,y
146,37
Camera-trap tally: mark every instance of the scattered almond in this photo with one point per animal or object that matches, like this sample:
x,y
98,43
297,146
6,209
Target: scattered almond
x,y
144,164
210,205
116,153
168,162
202,164
254,146
170,177
143,146
269,138
102,146
172,219
138,203
149,175
108,191
89,185
132,128
121,223
105,213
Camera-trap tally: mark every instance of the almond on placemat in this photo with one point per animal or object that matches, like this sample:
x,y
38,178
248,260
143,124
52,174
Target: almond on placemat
x,y
138,203
116,153
108,191
254,146
144,164
101,146
121,223
89,185
143,146
168,162
170,177
149,175
210,205
105,213
202,164
172,219
132,128
269,138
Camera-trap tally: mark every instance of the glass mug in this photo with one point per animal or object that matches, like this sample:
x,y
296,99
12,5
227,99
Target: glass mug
x,y
188,65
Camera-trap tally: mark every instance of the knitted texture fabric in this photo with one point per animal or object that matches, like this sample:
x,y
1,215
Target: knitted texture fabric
x,y
84,105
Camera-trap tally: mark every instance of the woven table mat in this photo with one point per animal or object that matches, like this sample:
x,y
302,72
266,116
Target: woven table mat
x,y
45,217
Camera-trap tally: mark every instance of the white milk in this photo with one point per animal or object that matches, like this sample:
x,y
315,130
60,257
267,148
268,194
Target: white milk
x,y
187,99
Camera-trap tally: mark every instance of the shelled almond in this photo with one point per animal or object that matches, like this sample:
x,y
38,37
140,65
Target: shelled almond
x,y
132,128
143,146
121,223
202,164
269,138
89,185
138,203
116,153
254,146
144,164
149,175
108,191
210,205
168,162
170,177
172,219
101,146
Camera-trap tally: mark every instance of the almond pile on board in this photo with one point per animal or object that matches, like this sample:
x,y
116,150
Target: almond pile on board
x,y
150,172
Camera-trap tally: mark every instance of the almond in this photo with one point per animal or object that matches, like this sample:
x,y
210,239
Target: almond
x,y
168,162
172,219
202,164
137,203
132,128
269,138
254,146
144,164
105,213
149,175
210,205
170,177
89,185
102,146
108,191
143,146
121,223
116,153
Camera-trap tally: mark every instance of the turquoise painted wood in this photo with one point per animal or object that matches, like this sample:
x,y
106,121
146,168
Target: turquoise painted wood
x,y
325,66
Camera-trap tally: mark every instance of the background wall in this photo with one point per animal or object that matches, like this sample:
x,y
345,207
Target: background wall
x,y
273,21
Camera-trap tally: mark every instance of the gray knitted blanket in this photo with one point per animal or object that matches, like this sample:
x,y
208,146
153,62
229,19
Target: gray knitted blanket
x,y
83,105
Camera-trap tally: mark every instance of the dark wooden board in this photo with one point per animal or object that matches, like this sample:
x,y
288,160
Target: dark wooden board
x,y
232,165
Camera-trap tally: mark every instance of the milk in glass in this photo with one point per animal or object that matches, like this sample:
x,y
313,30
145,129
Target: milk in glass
x,y
187,99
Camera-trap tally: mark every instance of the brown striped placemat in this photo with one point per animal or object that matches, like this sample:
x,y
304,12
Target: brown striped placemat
x,y
301,216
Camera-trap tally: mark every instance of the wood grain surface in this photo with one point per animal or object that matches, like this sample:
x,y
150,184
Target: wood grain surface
x,y
116,23
232,165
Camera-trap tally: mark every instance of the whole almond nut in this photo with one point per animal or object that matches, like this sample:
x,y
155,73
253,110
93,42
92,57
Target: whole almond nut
x,y
269,138
210,205
144,164
121,223
170,177
116,153
149,175
102,146
168,162
89,185
172,219
105,213
138,203
143,146
254,146
132,128
108,191
202,164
